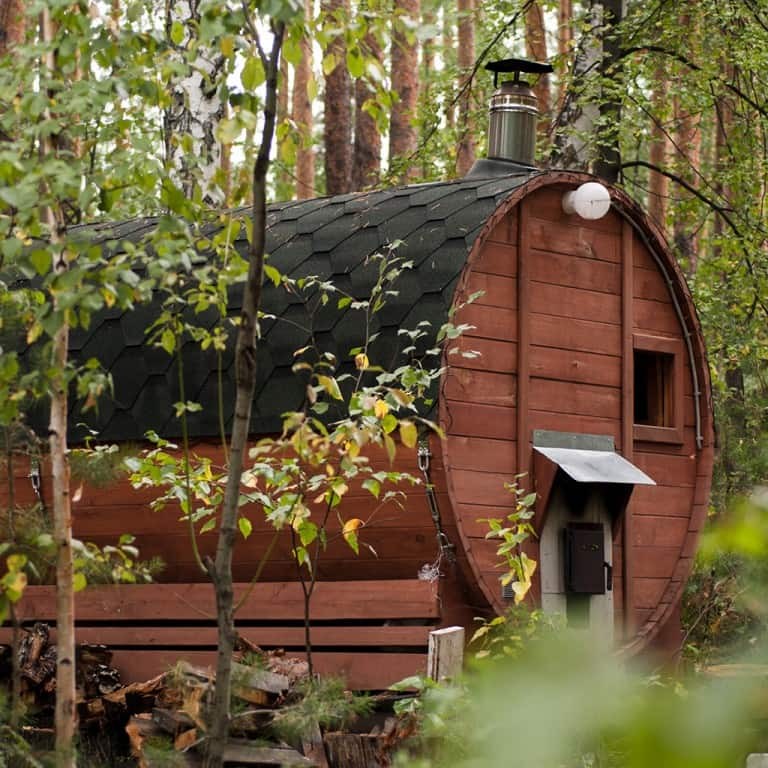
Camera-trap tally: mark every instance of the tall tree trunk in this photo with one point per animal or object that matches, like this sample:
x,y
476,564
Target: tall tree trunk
x,y
220,570
465,155
536,48
302,116
687,164
367,153
449,52
428,90
564,46
338,116
658,183
196,107
284,177
403,138
64,716
12,24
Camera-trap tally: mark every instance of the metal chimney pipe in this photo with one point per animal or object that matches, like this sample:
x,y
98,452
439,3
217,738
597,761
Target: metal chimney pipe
x,y
512,123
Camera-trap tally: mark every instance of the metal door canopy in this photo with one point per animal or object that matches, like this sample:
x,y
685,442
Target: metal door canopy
x,y
595,466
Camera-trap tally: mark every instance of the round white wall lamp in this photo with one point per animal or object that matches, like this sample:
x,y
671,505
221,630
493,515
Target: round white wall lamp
x,y
590,201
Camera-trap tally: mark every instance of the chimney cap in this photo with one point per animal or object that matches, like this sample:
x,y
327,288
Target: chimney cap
x,y
517,66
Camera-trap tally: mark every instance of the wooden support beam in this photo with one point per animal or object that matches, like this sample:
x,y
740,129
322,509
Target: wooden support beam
x,y
627,413
523,342
446,653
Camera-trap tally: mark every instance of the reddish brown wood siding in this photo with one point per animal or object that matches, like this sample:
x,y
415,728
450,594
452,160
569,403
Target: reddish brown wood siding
x,y
563,298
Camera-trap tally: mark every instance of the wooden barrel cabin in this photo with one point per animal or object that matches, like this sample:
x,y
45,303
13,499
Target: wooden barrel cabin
x,y
588,383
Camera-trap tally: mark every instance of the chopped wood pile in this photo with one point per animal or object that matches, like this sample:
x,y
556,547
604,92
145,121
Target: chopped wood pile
x,y
165,717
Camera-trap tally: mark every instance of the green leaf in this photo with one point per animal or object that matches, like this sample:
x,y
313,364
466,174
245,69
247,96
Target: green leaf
x,y
273,274
245,526
329,64
373,486
177,33
209,525
409,435
79,582
40,260
253,74
355,62
330,385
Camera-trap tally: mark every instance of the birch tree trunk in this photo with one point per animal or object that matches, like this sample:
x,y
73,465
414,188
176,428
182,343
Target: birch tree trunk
x,y
465,155
64,716
564,49
191,149
302,116
403,138
338,114
220,570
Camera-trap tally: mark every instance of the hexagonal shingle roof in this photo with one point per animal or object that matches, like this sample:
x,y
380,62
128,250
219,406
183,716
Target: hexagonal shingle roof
x,y
329,237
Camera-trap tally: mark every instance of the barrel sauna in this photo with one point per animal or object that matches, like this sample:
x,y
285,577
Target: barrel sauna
x,y
588,382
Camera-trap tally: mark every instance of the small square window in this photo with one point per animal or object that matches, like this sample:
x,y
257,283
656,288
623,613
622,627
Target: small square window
x,y
654,401
657,388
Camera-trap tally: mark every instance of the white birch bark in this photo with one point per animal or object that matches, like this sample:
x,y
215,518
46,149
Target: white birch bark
x,y
196,108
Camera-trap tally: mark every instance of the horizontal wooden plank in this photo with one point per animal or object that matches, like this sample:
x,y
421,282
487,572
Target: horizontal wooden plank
x,y
666,469
505,232
655,562
577,241
662,501
481,453
649,284
477,420
578,399
581,335
487,488
267,601
496,259
658,531
486,387
648,592
489,322
266,637
575,272
567,422
655,316
561,301
362,671
497,291
573,366
474,353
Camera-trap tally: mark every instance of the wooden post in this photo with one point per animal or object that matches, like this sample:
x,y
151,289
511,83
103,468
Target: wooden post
x,y
446,653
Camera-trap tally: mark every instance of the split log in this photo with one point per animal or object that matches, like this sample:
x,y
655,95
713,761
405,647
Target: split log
x,y
353,750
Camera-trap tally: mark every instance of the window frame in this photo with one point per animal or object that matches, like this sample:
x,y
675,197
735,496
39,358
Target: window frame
x,y
643,342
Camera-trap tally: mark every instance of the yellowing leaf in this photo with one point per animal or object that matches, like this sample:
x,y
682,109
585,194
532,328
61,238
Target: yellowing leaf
x,y
409,434
350,533
381,409
245,526
330,385
79,582
362,362
78,494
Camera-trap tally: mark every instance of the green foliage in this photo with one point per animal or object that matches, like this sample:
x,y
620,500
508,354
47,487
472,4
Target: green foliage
x,y
519,568
325,702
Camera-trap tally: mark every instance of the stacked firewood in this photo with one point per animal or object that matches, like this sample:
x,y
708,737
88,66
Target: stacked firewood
x,y
168,713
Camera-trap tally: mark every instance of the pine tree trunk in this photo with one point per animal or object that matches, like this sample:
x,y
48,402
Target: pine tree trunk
x,y
302,116
65,713
465,154
449,51
196,107
564,52
284,177
220,570
12,24
536,49
367,153
338,116
658,183
403,138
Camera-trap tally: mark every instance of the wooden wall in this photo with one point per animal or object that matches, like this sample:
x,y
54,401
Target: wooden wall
x,y
554,328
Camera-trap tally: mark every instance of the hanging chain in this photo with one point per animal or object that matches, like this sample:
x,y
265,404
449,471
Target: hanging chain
x,y
447,550
35,479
